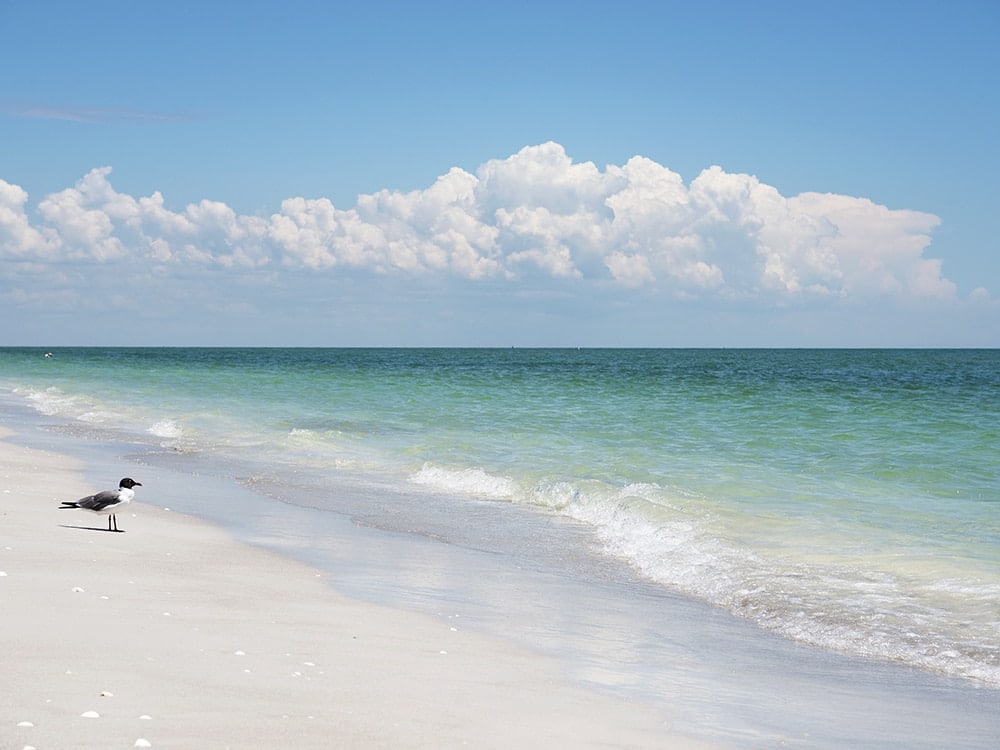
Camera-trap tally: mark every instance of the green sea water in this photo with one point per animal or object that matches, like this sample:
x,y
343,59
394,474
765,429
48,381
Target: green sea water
x,y
846,499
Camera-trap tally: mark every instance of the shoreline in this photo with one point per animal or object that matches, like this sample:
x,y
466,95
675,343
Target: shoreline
x,y
632,665
178,635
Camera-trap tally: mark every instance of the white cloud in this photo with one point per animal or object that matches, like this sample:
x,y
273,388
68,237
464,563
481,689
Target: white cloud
x,y
878,250
535,213
629,270
980,296
81,221
18,239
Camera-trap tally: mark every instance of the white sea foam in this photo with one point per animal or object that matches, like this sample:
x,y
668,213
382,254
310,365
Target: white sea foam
x,y
836,603
166,428
50,401
96,417
472,482
53,402
554,495
845,603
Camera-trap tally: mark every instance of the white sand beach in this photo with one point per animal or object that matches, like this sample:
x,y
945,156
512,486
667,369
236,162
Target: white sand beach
x,y
171,634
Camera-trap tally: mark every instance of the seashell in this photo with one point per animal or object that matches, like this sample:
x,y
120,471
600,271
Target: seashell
x,y
90,715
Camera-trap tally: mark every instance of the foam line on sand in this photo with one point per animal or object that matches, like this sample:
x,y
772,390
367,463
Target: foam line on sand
x,y
174,635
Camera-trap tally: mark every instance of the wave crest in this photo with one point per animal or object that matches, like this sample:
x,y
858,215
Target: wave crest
x,y
474,482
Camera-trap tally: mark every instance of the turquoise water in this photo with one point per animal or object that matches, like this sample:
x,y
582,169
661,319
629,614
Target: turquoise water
x,y
846,499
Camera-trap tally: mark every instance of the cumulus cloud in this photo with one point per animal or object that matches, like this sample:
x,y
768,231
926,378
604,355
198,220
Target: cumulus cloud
x,y
18,238
536,213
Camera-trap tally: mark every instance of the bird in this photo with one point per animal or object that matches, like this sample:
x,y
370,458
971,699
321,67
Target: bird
x,y
107,502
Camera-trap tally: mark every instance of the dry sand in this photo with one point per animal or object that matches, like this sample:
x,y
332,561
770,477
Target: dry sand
x,y
171,634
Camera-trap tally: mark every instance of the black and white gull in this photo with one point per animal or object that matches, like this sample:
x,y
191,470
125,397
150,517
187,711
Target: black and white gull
x,y
107,503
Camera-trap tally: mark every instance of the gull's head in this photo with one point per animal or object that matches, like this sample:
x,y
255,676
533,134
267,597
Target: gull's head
x,y
128,483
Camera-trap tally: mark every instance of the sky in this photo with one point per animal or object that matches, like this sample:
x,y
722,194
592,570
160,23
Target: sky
x,y
663,174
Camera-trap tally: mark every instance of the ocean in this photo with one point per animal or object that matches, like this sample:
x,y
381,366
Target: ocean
x,y
731,531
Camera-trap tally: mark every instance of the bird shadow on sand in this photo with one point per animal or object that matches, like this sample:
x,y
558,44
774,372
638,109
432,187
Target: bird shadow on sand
x,y
92,528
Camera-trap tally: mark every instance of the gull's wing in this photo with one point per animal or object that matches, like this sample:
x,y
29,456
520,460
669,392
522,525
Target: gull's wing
x,y
100,501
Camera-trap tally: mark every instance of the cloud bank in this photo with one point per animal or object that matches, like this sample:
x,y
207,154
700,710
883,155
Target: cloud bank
x,y
536,214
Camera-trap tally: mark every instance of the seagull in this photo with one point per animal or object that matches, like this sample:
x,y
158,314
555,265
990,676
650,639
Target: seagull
x,y
108,501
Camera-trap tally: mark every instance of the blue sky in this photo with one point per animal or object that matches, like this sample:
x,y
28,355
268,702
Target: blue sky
x,y
527,174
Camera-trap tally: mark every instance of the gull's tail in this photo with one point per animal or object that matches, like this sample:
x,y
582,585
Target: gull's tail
x,y
67,504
